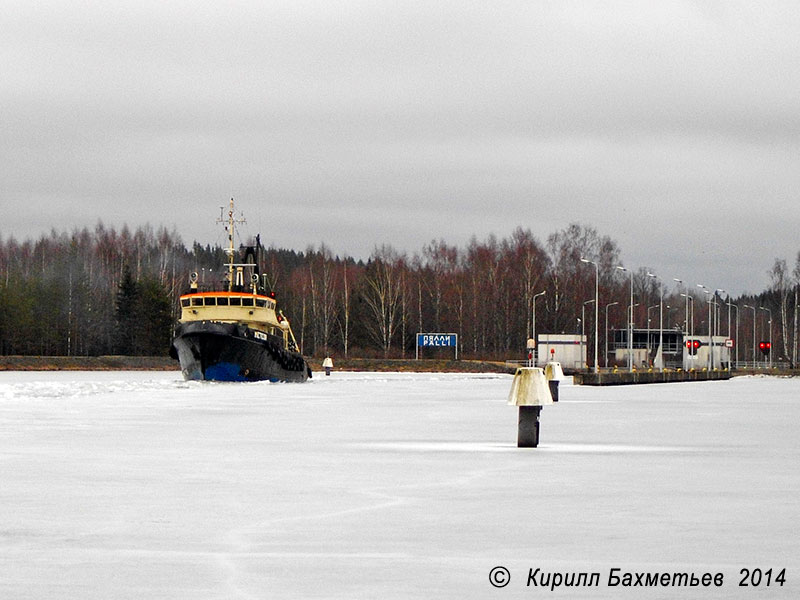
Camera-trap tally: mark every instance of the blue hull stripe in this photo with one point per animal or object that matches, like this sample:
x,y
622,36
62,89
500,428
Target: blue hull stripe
x,y
225,372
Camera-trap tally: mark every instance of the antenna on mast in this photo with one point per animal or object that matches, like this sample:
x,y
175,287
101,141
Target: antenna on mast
x,y
230,227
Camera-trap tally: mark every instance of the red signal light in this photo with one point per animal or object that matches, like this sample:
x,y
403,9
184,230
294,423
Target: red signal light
x,y
696,344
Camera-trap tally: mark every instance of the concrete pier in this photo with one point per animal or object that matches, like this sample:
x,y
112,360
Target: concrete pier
x,y
630,378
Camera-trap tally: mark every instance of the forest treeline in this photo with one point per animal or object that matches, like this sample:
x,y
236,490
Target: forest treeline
x,y
105,291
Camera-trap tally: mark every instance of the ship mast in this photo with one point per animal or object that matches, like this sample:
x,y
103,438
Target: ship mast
x,y
230,225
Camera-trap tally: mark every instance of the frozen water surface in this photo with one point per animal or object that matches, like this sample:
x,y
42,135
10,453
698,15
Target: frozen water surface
x,y
140,485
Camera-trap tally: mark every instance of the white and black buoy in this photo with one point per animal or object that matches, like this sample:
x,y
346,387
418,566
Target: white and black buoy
x,y
530,392
530,347
554,374
327,364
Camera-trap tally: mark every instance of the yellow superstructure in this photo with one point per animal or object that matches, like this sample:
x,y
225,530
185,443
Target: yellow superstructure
x,y
253,310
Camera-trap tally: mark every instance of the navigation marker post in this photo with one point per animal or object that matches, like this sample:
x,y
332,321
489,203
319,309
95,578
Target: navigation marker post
x,y
529,391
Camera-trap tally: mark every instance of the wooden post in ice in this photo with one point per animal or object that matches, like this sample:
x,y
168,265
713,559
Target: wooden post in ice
x,y
530,392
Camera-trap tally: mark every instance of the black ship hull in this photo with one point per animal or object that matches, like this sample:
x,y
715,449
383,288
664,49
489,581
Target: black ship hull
x,y
212,351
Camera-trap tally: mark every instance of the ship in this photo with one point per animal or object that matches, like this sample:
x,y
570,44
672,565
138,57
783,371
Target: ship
x,y
234,331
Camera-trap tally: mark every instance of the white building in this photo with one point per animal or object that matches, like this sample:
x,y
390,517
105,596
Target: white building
x,y
569,350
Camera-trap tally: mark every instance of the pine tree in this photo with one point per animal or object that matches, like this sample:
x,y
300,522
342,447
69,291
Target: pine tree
x,y
126,313
154,328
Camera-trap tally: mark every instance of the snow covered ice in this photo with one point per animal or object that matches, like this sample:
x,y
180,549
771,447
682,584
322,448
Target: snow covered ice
x,y
140,485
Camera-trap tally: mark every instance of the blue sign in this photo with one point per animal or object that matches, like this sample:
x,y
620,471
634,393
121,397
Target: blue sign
x,y
437,340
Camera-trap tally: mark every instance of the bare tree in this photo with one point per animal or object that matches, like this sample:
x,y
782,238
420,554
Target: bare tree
x,y
782,286
530,265
482,262
796,275
439,261
322,281
382,295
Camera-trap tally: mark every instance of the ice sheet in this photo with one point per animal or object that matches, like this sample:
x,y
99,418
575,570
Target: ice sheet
x,y
141,485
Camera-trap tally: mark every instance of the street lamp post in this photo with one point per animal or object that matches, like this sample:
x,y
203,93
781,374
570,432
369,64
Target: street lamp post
x,y
661,321
753,308
596,308
710,327
630,322
583,334
717,310
533,333
736,342
606,335
647,343
770,334
686,316
690,324
729,315
583,329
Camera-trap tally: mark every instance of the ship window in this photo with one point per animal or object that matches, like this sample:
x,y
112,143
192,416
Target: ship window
x,y
261,303
236,301
247,302
184,302
222,302
197,302
211,302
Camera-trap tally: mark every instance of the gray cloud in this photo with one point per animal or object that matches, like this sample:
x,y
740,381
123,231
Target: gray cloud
x,y
672,127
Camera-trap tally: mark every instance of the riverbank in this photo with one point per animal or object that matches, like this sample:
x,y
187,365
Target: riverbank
x,y
415,366
164,363
87,363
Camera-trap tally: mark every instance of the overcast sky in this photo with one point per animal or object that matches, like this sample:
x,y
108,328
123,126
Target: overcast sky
x,y
672,127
